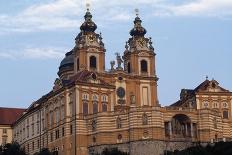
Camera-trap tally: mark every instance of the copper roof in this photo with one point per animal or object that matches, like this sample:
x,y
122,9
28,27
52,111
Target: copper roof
x,y
9,115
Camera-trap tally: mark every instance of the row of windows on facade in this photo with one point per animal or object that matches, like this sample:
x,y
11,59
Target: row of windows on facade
x,y
4,131
34,146
24,132
215,104
25,125
143,66
58,112
93,65
57,133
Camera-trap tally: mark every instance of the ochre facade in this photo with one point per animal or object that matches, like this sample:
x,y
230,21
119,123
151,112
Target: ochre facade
x,y
90,107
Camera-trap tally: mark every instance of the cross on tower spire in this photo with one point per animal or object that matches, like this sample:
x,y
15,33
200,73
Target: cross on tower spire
x,y
137,12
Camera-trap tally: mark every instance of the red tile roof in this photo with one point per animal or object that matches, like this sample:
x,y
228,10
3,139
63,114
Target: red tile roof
x,y
9,115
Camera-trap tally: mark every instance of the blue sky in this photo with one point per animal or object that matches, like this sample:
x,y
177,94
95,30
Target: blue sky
x,y
192,39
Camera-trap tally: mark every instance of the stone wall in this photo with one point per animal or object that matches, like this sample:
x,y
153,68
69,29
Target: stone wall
x,y
144,147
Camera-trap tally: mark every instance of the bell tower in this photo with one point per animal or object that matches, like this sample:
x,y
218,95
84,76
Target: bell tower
x,y
89,49
139,55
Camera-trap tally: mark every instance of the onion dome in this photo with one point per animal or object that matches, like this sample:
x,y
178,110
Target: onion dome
x,y
88,25
67,64
138,30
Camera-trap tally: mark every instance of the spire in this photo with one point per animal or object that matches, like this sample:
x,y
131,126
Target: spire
x,y
88,25
138,30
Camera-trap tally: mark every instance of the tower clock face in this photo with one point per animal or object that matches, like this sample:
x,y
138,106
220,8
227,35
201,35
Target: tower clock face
x,y
141,42
91,38
121,92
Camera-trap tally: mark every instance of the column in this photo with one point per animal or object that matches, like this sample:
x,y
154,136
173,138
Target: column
x,y
191,129
170,128
186,130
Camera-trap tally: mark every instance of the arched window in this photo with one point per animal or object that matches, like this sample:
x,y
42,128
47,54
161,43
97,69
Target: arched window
x,y
78,66
145,119
104,107
85,96
143,66
104,98
93,62
225,114
119,123
128,67
95,107
85,108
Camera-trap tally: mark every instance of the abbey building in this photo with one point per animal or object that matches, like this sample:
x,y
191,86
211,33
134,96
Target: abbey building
x,y
90,108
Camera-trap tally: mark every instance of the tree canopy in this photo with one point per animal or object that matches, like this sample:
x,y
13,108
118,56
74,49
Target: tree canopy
x,y
11,149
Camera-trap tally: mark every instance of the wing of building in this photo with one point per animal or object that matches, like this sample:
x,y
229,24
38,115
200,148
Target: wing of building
x,y
90,108
7,117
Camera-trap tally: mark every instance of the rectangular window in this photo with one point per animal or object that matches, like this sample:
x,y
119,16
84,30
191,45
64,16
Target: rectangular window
x,y
5,131
27,131
145,96
225,115
51,118
33,146
37,127
32,129
63,132
51,136
38,144
57,134
71,129
43,124
166,126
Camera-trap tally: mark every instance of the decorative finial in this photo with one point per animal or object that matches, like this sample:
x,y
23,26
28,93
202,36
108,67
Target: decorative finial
x,y
206,77
112,63
87,6
126,46
137,12
119,61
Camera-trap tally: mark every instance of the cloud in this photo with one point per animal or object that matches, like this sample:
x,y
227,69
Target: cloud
x,y
68,14
35,53
6,56
202,8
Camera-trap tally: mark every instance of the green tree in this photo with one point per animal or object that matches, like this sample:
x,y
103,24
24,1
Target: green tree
x,y
11,149
44,151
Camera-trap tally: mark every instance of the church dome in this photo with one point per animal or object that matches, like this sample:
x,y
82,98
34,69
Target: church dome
x,y
67,64
138,30
88,25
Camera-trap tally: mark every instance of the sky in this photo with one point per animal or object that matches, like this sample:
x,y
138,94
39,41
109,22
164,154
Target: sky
x,y
192,39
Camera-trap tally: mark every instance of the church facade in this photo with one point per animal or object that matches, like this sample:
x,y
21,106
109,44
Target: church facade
x,y
90,108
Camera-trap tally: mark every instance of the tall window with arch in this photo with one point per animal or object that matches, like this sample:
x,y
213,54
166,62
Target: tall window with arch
x,y
70,105
57,115
104,103
51,118
95,103
78,65
62,112
85,100
143,66
93,62
119,123
128,67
